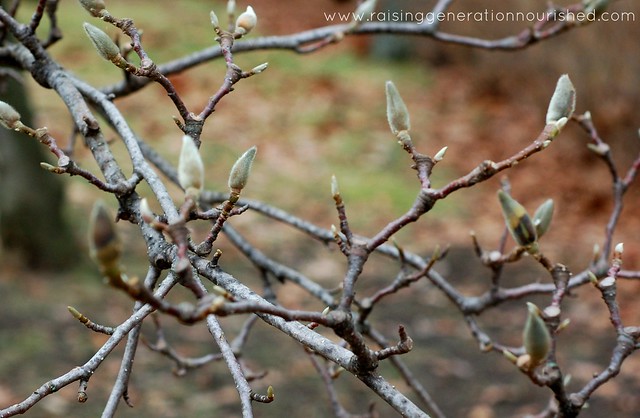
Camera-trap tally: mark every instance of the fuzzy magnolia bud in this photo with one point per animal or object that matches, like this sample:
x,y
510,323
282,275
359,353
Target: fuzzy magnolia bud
x,y
231,7
440,154
335,189
9,117
214,19
246,21
397,113
542,217
190,168
563,101
517,220
104,242
103,43
618,250
240,171
260,68
93,6
536,336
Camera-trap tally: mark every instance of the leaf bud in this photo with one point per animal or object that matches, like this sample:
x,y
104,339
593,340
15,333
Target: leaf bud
x,y
190,168
542,217
231,7
103,43
536,336
397,113
517,220
260,68
93,6
214,19
563,101
440,154
9,117
104,241
618,250
246,21
335,189
241,169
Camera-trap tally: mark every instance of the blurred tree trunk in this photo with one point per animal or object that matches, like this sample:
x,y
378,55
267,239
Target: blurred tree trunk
x,y
31,199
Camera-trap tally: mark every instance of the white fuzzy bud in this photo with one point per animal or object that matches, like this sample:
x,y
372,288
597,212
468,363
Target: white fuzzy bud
x,y
231,7
563,101
440,154
260,68
240,171
190,168
335,190
397,113
9,117
214,19
103,43
246,21
93,6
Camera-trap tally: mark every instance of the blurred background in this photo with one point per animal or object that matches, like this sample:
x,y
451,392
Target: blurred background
x,y
321,114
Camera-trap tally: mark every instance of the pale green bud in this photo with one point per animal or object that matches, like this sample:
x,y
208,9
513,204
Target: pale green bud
x,y
103,43
214,19
260,68
618,250
190,168
335,189
517,220
231,7
542,217
397,113
440,154
246,21
536,336
9,117
240,171
93,6
563,101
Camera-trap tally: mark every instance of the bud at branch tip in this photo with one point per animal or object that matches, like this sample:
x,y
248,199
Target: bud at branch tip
x,y
190,168
9,117
93,6
335,190
240,171
536,336
103,43
397,113
517,220
246,21
440,154
563,102
214,19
